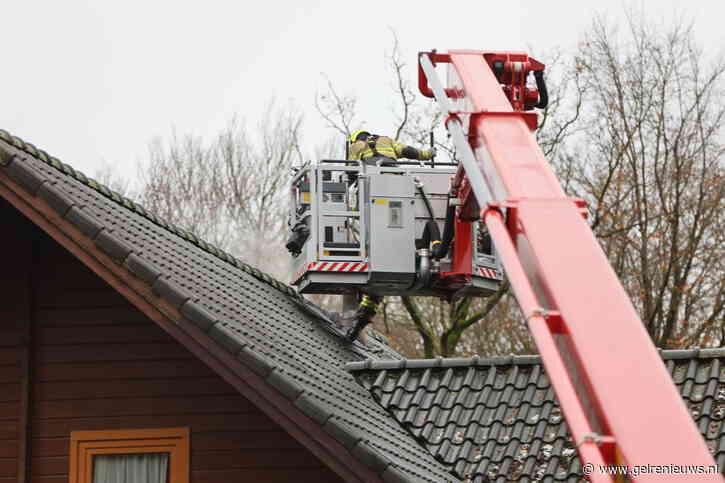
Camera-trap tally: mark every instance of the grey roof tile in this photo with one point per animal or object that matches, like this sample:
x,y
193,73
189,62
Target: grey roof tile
x,y
314,408
226,338
171,291
255,361
347,435
143,269
269,327
55,198
284,384
23,172
498,418
113,246
87,224
201,317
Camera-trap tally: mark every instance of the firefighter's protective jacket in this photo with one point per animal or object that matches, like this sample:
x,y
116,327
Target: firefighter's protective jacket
x,y
384,146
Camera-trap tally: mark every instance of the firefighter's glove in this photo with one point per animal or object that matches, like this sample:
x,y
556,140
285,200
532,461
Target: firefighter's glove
x,y
428,154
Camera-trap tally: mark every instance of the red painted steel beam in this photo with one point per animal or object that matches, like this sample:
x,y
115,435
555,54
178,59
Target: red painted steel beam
x,y
610,358
539,325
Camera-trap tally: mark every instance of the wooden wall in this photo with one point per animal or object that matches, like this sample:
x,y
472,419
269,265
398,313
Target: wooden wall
x,y
96,362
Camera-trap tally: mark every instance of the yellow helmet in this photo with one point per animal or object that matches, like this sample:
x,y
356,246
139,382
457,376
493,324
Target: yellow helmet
x,y
354,135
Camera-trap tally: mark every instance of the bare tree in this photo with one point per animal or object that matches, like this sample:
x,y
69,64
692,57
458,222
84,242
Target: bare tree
x,y
651,164
337,110
230,190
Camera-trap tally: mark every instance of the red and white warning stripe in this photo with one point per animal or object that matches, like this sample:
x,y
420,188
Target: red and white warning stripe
x,y
489,273
338,267
349,267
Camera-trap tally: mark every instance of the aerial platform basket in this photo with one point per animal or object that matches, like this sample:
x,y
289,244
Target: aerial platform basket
x,y
358,228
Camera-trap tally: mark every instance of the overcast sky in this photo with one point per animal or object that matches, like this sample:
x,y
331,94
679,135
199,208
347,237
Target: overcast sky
x,y
94,81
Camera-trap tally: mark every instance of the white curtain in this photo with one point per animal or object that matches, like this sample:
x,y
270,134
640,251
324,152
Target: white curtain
x,y
131,468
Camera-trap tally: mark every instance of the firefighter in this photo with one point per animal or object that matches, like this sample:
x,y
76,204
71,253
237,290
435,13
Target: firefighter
x,y
376,150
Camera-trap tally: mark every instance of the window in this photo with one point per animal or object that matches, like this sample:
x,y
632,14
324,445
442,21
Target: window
x,y
130,456
395,218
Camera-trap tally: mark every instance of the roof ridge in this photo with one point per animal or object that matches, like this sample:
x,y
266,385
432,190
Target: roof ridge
x,y
695,352
511,360
137,208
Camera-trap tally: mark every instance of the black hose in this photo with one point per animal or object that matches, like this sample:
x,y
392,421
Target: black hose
x,y
427,203
541,86
440,250
431,233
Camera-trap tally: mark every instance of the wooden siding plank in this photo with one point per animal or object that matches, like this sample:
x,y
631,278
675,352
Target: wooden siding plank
x,y
9,373
226,440
9,356
8,448
90,316
8,430
49,466
125,388
8,467
9,410
183,369
253,458
140,406
10,392
80,298
111,352
115,334
11,338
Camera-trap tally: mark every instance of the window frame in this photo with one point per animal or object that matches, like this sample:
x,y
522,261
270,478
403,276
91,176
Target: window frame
x,y
86,444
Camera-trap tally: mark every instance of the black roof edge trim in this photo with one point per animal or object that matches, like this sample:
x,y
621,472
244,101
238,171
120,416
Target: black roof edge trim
x,y
289,388
255,361
144,270
198,315
224,337
342,432
170,291
371,457
113,246
311,408
393,475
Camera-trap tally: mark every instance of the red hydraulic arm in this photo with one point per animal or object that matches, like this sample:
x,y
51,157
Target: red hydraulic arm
x,y
617,396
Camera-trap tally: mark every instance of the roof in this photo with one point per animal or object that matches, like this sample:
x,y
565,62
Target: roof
x,y
257,332
498,419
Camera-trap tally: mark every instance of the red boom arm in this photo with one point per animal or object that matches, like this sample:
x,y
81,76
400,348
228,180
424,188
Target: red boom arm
x,y
617,396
